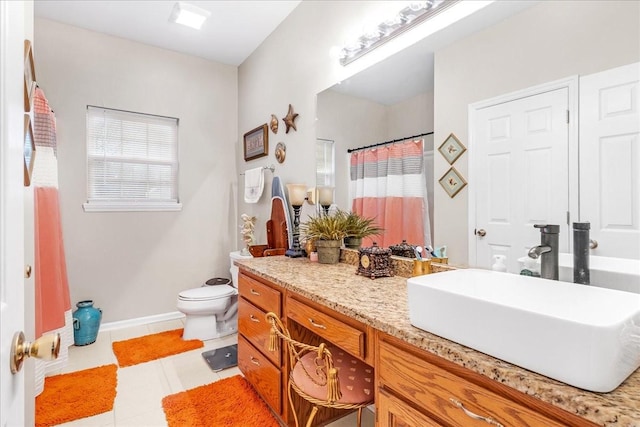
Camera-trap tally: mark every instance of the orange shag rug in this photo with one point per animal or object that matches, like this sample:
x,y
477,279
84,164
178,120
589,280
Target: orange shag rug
x,y
229,402
80,394
151,347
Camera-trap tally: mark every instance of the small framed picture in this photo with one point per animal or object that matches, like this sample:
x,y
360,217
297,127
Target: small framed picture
x,y
256,143
452,182
29,76
29,150
452,148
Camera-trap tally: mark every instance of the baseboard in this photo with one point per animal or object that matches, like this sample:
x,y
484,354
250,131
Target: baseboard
x,y
111,326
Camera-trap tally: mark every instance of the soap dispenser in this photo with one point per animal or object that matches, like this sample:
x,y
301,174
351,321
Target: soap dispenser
x,y
498,263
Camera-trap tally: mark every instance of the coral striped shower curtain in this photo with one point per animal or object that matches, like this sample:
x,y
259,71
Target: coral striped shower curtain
x,y
53,304
388,184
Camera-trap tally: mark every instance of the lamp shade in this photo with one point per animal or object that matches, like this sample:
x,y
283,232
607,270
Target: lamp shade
x,y
297,193
325,195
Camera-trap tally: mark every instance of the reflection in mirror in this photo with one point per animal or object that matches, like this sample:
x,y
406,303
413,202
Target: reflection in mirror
x,y
325,173
390,100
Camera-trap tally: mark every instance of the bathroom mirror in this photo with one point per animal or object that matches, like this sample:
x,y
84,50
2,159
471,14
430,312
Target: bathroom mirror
x,y
391,100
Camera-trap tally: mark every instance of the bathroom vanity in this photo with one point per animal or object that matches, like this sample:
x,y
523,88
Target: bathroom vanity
x,y
420,378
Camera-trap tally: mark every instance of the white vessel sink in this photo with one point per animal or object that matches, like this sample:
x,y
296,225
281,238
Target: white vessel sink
x,y
606,272
585,336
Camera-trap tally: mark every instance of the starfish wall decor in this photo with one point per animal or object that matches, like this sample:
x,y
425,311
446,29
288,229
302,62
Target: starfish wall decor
x,y
289,119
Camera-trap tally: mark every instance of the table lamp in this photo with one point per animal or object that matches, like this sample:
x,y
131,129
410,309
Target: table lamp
x,y
297,195
325,198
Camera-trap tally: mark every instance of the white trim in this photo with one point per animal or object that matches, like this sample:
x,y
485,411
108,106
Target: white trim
x,y
138,321
99,206
572,85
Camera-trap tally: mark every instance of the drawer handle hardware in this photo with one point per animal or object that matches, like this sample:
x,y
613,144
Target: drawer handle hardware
x,y
470,414
255,361
317,325
254,292
254,318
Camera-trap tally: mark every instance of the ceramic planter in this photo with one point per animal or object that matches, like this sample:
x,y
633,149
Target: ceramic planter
x,y
353,242
328,251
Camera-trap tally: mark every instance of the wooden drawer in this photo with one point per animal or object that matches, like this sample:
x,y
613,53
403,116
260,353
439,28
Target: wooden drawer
x,y
393,412
262,374
333,330
255,328
447,396
260,295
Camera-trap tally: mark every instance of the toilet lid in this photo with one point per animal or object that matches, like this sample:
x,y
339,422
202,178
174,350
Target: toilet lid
x,y
206,293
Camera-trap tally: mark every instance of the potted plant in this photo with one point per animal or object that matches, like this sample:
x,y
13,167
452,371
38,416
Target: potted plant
x,y
357,227
327,232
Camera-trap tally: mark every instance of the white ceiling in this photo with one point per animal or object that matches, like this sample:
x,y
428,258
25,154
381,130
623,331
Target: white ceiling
x,y
232,32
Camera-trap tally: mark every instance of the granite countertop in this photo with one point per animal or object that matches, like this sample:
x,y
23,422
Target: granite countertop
x,y
382,304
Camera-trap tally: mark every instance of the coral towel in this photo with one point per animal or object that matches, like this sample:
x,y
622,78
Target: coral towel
x,y
253,184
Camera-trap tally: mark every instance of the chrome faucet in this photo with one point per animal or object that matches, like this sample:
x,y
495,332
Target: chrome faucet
x,y
547,250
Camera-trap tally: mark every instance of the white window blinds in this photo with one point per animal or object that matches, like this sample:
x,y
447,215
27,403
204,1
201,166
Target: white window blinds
x,y
132,161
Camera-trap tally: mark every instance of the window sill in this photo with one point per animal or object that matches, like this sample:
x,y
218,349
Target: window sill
x,y
131,207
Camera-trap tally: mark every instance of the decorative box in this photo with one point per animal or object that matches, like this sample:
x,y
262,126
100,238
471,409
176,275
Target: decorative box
x,y
375,262
403,249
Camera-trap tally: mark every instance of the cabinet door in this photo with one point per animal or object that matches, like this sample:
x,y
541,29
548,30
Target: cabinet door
x,y
392,412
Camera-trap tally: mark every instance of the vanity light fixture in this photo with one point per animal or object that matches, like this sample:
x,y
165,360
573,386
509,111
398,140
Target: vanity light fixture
x,y
413,14
297,196
189,15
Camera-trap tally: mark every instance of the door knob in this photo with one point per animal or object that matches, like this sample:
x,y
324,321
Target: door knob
x,y
593,244
482,232
46,347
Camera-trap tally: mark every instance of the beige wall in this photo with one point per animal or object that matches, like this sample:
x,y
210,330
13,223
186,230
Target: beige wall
x,y
133,264
550,41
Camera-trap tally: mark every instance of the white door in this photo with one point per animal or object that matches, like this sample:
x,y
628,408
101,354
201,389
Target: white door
x,y
11,206
610,160
521,174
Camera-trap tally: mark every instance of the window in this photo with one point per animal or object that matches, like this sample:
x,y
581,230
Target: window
x,y
132,161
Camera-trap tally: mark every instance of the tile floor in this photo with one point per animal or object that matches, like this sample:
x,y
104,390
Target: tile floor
x,y
141,387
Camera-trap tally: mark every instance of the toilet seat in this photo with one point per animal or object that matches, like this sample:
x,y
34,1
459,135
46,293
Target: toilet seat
x,y
205,293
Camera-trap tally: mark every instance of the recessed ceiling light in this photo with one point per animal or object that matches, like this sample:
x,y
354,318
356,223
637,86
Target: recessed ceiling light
x,y
189,15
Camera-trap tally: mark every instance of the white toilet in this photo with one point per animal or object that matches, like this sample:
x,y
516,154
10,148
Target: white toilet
x,y
211,311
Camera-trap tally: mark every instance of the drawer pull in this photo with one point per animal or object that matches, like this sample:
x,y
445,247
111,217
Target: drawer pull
x,y
470,414
255,361
254,318
254,292
317,325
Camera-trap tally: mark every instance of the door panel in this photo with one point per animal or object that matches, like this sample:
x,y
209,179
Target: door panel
x,y
610,159
523,179
11,206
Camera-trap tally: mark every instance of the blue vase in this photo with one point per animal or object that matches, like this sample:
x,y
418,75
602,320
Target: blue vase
x,y
86,323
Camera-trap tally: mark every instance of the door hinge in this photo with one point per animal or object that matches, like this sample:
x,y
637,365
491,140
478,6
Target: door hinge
x,y
568,218
567,116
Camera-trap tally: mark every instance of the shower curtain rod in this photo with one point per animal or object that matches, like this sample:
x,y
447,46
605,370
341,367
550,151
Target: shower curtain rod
x,y
351,150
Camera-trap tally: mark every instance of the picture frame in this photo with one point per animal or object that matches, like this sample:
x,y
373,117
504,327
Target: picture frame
x,y
29,76
451,149
29,150
256,143
452,182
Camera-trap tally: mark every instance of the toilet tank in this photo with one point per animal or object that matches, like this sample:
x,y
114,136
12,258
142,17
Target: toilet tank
x,y
234,269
